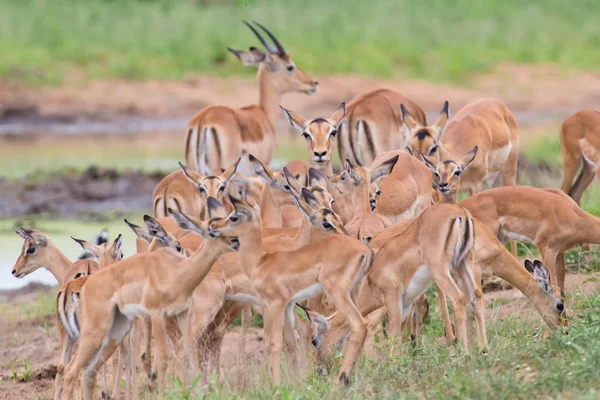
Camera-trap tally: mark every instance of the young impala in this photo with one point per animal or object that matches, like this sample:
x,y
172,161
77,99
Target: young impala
x,y
218,135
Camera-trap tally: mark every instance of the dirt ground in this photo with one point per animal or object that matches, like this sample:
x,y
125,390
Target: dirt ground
x,y
534,91
32,339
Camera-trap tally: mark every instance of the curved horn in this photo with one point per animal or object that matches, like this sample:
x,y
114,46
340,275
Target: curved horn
x,y
280,47
267,45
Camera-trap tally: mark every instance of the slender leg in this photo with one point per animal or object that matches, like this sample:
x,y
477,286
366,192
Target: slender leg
x,y
442,278
586,176
89,344
66,346
394,325
448,329
273,318
147,346
358,328
288,334
160,361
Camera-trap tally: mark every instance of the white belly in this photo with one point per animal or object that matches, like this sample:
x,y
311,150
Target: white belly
x,y
244,298
311,291
418,284
134,310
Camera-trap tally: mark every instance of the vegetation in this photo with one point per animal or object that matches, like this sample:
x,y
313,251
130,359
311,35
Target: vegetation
x,y
520,364
43,41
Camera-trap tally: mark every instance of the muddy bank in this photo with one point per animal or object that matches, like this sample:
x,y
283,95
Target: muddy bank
x,y
536,94
84,196
97,191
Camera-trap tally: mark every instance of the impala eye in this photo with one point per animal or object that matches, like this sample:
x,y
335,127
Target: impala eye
x,y
179,249
457,172
30,251
221,188
327,225
202,189
433,150
332,133
306,135
437,175
378,193
234,218
291,68
343,178
286,187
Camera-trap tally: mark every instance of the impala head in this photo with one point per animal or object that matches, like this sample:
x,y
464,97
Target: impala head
x,y
353,181
211,185
446,174
320,197
280,189
275,64
374,193
424,139
329,331
105,254
155,231
319,133
319,216
35,252
552,292
219,242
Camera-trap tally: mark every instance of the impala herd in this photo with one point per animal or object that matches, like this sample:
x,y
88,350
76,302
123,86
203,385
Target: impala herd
x,y
350,249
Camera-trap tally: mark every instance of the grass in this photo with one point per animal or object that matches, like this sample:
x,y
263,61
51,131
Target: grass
x,y
520,364
43,41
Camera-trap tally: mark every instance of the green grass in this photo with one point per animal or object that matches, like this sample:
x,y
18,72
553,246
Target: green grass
x,y
42,41
520,364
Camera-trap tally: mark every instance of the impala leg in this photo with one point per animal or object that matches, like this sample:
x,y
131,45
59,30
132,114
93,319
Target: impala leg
x,y
448,328
395,309
89,344
160,359
118,360
131,364
586,176
246,322
358,328
442,278
273,317
513,248
91,370
147,347
66,346
288,334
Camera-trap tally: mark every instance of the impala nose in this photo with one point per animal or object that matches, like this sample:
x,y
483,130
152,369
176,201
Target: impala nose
x,y
560,306
14,272
321,154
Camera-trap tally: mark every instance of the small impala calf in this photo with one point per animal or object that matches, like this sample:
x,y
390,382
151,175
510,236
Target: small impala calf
x,y
218,135
580,145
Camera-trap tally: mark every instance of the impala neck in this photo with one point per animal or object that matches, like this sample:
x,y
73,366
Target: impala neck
x,y
450,198
269,95
360,201
304,234
270,213
56,262
192,270
508,268
589,231
343,206
251,250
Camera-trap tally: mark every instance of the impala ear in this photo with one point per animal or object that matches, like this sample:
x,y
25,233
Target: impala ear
x,y
231,171
192,175
354,176
102,237
338,115
407,118
254,57
215,208
21,232
431,162
316,179
156,230
139,231
297,120
384,169
188,223
260,169
91,250
529,266
295,186
310,199
468,158
304,208
116,246
241,207
441,121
